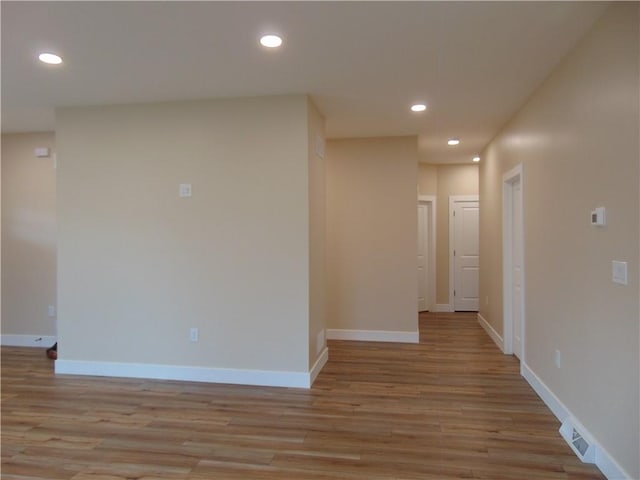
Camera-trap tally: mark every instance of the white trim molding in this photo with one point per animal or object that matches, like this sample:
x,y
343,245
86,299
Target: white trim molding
x,y
604,461
548,397
373,335
318,365
609,467
43,341
495,336
515,175
430,202
266,378
443,307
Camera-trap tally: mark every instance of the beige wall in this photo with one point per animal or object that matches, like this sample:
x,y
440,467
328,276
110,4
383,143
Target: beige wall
x,y
28,235
317,235
139,266
427,179
577,138
371,234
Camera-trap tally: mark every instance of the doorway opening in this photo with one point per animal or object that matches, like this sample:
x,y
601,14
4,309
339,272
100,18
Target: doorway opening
x,y
426,253
513,263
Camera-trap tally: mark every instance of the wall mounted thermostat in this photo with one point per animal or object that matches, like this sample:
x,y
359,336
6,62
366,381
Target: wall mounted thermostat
x,y
598,216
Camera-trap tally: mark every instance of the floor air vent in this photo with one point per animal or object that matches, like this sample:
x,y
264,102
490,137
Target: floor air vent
x,y
574,434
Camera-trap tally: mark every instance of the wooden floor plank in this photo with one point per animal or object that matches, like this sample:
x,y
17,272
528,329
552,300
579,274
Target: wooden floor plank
x,y
450,407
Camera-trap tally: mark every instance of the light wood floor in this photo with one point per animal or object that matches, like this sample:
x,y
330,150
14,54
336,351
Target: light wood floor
x,y
450,407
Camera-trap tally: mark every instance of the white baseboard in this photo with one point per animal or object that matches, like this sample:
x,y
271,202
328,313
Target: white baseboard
x,y
495,336
605,462
265,378
442,307
548,397
43,341
319,365
609,467
373,335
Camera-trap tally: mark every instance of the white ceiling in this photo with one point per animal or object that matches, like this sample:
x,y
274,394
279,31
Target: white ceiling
x,y
363,63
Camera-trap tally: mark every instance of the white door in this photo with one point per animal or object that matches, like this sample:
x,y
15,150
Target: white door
x,y
516,266
423,303
466,255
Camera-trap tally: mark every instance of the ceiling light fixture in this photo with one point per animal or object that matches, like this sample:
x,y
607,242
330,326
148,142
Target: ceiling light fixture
x,y
476,158
453,141
418,107
50,58
270,41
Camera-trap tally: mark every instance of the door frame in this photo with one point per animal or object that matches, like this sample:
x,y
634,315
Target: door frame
x,y
514,175
452,201
430,202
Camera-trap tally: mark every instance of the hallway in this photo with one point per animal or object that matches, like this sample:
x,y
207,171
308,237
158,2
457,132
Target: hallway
x,y
450,407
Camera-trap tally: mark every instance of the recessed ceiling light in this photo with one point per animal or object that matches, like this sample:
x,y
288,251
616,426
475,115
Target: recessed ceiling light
x,y
50,58
476,158
270,41
453,141
418,107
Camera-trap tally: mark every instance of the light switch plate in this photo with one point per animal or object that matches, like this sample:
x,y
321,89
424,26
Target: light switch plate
x,y
619,272
42,152
185,190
